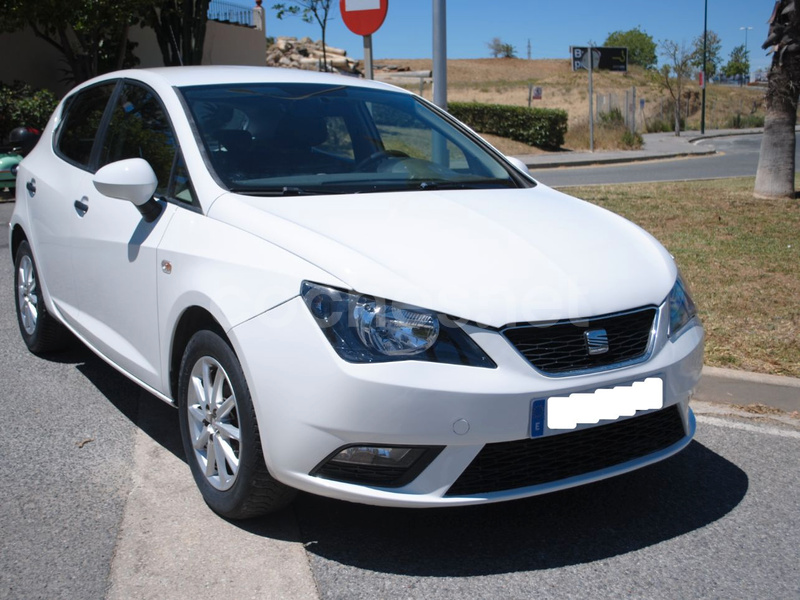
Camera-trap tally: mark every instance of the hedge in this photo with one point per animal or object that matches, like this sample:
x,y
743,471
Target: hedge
x,y
24,106
540,127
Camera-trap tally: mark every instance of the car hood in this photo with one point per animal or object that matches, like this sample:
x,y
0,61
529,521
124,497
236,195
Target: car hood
x,y
494,257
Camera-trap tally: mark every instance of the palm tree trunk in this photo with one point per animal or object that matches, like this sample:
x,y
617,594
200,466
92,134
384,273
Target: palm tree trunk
x,y
775,175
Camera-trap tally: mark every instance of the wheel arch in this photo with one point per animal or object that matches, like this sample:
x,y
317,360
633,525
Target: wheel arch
x,y
17,237
192,320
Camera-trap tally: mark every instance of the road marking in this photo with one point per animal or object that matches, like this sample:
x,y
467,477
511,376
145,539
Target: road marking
x,y
748,427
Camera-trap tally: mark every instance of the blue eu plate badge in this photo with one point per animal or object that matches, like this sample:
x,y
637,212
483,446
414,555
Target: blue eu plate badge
x,y
537,418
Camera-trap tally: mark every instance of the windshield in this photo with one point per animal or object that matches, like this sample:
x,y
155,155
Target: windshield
x,y
297,139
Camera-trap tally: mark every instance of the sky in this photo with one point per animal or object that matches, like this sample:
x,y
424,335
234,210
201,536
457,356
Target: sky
x,y
552,26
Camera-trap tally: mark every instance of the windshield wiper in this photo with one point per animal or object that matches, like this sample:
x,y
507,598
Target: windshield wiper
x,y
286,190
476,184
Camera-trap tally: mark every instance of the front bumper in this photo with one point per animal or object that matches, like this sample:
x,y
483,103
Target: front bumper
x,y
310,403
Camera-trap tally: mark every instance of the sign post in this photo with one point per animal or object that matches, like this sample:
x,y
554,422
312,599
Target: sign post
x,y
591,59
534,93
364,17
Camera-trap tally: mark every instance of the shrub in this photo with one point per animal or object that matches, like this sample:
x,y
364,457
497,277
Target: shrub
x,y
24,106
632,140
745,121
664,125
540,127
612,117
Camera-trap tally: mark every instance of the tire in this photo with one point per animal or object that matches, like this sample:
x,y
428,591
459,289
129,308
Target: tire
x,y
40,330
217,417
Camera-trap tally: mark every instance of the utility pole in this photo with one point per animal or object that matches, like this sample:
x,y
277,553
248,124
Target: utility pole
x,y
529,48
591,100
438,143
705,66
440,53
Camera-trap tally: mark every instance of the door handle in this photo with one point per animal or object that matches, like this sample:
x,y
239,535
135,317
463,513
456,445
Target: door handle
x,y
82,206
31,187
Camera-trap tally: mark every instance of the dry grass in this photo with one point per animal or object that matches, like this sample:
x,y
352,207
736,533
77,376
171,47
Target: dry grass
x,y
741,256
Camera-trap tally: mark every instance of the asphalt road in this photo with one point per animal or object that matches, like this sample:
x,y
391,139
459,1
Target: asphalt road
x,y
96,501
736,157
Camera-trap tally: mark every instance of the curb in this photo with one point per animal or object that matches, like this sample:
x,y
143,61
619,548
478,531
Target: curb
x,y
733,133
715,136
591,160
761,378
727,386
600,160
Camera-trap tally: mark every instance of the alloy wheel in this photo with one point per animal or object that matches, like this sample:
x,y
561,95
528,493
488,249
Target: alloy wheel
x,y
213,419
27,295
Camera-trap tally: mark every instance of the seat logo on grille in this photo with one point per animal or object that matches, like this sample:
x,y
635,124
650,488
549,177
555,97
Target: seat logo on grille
x,y
596,341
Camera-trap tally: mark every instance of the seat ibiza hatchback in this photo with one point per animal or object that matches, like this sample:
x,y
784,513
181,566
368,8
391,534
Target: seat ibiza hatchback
x,y
346,291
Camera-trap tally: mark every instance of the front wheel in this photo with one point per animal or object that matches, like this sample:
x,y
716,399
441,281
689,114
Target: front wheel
x,y
220,432
41,332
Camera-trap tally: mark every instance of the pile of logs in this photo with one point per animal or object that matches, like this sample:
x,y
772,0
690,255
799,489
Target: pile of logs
x,y
291,53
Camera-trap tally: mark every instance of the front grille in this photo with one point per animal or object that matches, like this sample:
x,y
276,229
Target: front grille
x,y
524,463
561,347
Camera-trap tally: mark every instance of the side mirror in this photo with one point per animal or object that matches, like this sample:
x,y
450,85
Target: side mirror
x,y
521,166
133,180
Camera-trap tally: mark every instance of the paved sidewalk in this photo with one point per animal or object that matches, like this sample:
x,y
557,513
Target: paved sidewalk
x,y
657,146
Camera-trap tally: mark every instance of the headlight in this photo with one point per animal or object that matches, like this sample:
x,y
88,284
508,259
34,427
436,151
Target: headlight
x,y
681,307
363,329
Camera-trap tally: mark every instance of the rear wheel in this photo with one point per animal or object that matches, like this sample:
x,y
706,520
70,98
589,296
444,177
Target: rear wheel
x,y
220,432
41,332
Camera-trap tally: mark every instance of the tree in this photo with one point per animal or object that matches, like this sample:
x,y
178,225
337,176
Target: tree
x,y
775,175
640,45
495,47
309,11
673,75
180,27
501,50
713,54
91,35
738,64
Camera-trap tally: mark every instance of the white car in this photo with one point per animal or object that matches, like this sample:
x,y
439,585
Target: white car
x,y
345,291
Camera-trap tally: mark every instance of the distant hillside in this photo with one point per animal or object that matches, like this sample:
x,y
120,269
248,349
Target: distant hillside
x,y
505,81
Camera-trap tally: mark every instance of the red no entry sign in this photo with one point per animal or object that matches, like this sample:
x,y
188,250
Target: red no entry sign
x,y
363,17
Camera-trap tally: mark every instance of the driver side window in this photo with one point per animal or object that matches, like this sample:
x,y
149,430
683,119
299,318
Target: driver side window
x,y
139,128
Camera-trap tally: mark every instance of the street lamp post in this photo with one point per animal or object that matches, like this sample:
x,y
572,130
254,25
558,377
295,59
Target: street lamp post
x,y
746,51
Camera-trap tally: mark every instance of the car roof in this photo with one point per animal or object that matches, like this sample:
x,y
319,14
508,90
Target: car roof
x,y
227,74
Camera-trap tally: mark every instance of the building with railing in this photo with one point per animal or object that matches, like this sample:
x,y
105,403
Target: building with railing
x,y
235,14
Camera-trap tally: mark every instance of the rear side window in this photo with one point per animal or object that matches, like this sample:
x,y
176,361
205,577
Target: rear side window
x,y
82,116
139,128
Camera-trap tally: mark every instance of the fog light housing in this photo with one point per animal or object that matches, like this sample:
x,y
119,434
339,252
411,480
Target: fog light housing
x,y
382,466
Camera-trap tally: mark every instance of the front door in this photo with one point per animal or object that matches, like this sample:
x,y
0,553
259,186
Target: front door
x,y
118,293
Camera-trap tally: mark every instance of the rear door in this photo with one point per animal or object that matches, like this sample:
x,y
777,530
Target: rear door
x,y
54,177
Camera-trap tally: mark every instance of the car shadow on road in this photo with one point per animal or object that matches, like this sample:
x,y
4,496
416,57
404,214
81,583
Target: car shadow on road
x,y
153,416
633,511
686,492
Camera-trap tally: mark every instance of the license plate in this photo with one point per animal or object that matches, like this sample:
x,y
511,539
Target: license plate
x,y
606,404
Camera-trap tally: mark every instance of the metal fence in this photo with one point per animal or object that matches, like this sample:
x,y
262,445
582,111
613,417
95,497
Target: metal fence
x,y
227,12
